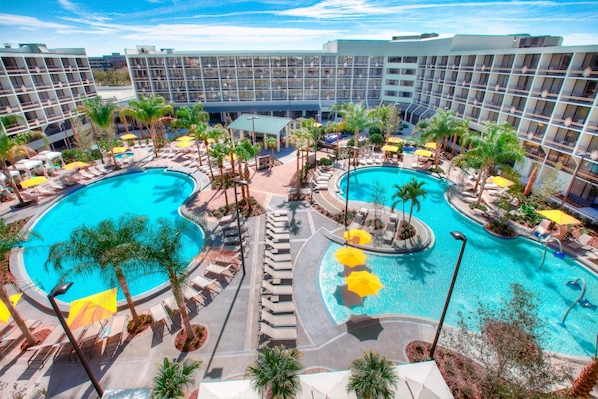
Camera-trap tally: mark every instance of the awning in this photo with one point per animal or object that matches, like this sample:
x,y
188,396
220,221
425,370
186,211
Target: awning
x,y
271,125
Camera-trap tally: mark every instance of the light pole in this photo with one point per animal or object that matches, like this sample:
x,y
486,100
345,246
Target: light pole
x,y
253,118
354,148
583,156
59,290
461,237
241,183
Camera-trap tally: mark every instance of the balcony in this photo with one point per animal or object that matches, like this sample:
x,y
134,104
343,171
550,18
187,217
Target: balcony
x,y
538,117
552,71
531,137
29,105
581,72
560,145
578,98
569,122
518,90
15,70
545,94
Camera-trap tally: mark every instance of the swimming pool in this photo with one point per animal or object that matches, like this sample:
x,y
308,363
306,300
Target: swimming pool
x,y
417,284
154,193
124,154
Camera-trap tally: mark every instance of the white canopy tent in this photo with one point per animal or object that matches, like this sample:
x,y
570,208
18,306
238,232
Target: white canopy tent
x,y
326,385
29,165
238,389
48,156
422,381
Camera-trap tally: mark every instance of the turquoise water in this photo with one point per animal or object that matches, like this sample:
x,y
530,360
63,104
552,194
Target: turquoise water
x,y
154,193
417,284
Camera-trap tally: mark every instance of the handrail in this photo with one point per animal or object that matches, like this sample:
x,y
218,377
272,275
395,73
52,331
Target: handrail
x,y
583,291
558,254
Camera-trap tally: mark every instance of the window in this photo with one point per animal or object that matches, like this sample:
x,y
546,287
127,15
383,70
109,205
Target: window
x,y
391,93
392,71
394,59
410,60
392,82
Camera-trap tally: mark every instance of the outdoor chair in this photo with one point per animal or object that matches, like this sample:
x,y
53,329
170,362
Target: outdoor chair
x,y
278,238
42,351
160,315
278,333
278,274
278,257
211,285
583,242
114,334
279,320
278,266
278,307
220,271
277,289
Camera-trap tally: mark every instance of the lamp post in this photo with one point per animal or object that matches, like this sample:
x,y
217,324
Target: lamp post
x,y
354,148
583,156
253,118
241,183
461,237
59,290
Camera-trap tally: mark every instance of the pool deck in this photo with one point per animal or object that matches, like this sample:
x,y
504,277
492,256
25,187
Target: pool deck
x,y
232,316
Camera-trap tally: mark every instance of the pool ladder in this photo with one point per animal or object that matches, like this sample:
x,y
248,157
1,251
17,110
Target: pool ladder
x,y
583,292
558,254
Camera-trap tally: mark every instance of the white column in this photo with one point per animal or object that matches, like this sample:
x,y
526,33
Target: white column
x,y
278,142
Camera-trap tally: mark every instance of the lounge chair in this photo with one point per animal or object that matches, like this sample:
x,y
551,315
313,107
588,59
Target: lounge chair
x,y
212,285
278,257
357,222
542,230
388,237
278,266
277,289
278,320
221,271
114,334
273,218
278,307
583,242
281,247
278,274
278,238
275,225
55,185
278,333
160,315
277,230
43,350
85,174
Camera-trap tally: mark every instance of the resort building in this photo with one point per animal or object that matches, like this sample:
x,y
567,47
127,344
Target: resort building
x,y
546,91
110,62
42,87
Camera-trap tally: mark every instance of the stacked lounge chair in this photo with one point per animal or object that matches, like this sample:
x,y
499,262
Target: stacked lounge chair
x,y
277,317
359,219
320,180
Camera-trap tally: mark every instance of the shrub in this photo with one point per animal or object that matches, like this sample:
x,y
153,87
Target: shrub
x,y
376,139
374,130
502,226
325,161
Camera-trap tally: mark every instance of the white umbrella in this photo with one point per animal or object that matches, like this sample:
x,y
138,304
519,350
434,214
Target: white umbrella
x,y
238,389
422,381
326,385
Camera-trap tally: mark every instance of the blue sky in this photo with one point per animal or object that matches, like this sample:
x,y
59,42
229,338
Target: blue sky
x,y
107,26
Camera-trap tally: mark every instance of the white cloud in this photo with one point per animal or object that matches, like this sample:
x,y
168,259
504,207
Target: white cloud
x,y
28,22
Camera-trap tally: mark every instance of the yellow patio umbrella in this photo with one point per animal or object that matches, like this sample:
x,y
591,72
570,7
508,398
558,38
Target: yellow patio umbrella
x,y
559,217
92,308
391,148
185,138
395,140
431,145
350,256
118,150
501,181
33,181
184,144
4,313
76,165
229,158
129,136
424,153
363,283
357,236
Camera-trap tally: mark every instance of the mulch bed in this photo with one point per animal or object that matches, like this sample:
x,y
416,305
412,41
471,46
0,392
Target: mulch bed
x,y
40,335
201,336
146,321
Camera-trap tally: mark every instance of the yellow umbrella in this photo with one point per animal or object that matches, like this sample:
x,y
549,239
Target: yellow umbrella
x,y
234,157
92,308
33,181
424,153
363,283
391,148
4,313
118,150
431,145
357,236
350,256
185,138
184,144
76,165
129,136
501,181
559,217
395,140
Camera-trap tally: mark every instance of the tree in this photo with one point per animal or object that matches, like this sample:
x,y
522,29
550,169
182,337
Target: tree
x,y
173,377
335,127
113,248
506,339
101,114
400,196
219,151
551,185
196,120
216,134
149,111
441,125
414,192
372,377
497,145
530,183
162,251
386,118
378,197
246,151
298,138
356,117
271,143
376,139
12,238
275,372
585,381
10,148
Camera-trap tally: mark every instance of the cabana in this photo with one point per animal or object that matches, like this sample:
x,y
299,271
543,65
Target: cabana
x,y
31,165
48,157
264,125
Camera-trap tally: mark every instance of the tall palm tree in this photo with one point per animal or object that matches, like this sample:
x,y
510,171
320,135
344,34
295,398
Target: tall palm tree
x,y
442,125
298,140
355,116
496,146
246,151
113,248
219,151
271,143
372,377
149,111
10,148
216,134
400,196
275,372
386,117
101,114
162,251
173,377
196,120
9,239
414,192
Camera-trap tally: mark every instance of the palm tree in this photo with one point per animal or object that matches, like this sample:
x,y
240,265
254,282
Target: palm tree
x,y
196,120
442,125
372,377
9,239
162,251
498,145
297,137
275,372
414,192
530,183
10,148
271,143
217,134
173,376
101,114
149,111
219,151
400,196
386,117
246,151
111,248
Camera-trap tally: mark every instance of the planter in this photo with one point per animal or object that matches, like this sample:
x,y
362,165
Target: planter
x,y
507,237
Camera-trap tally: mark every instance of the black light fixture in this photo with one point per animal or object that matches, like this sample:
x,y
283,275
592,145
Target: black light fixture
x,y
60,289
240,233
460,237
354,148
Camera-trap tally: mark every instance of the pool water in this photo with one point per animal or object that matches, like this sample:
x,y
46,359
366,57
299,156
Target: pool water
x,y
154,193
417,284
